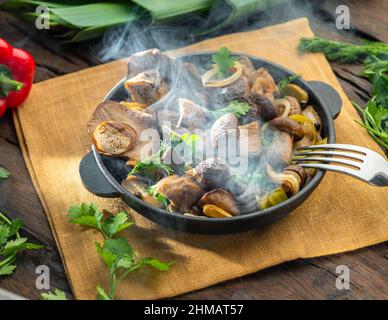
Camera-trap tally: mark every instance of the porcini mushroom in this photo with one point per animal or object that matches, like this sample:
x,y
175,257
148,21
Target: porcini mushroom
x,y
288,125
116,130
221,199
212,173
182,191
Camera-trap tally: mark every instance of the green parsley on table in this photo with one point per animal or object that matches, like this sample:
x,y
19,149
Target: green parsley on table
x,y
116,252
11,244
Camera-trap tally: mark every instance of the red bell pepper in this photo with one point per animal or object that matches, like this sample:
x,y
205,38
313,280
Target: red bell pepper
x,y
17,69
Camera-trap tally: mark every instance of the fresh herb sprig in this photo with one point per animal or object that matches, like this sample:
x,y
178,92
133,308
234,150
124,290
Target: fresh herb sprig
x,y
116,252
90,215
56,295
4,173
11,244
375,120
344,52
376,70
152,192
286,81
374,56
235,107
224,61
153,167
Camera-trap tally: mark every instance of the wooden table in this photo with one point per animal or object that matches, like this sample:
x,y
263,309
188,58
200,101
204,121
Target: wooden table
x,y
301,279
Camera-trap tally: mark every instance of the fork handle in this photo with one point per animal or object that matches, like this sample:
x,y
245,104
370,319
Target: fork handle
x,y
380,179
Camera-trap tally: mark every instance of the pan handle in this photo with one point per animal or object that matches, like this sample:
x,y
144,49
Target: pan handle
x,y
94,180
329,95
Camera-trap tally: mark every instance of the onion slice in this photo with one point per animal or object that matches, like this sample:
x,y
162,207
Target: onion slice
x,y
223,82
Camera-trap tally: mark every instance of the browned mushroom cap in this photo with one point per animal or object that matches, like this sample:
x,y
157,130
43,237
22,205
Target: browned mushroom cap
x,y
183,192
224,128
280,150
288,125
192,116
114,137
265,108
262,83
211,173
221,199
250,136
114,112
147,87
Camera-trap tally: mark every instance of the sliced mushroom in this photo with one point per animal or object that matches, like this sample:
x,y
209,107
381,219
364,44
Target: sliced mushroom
x,y
212,173
295,107
116,130
287,106
250,136
182,191
282,107
135,185
290,179
147,87
219,97
138,187
150,59
134,105
221,199
115,138
192,116
263,83
288,125
224,129
248,68
264,107
280,150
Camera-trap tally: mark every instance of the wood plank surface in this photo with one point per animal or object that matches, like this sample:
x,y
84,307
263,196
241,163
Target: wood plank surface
x,y
301,279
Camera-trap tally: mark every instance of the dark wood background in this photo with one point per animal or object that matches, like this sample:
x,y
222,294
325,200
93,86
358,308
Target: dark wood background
x,y
301,279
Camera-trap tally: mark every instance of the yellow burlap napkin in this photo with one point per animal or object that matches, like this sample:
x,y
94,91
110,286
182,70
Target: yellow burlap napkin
x,y
342,214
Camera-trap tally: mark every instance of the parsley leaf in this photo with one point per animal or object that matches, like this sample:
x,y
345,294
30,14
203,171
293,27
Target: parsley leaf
x,y
14,246
116,252
116,224
153,167
224,61
285,81
236,107
152,192
7,269
57,295
11,244
89,215
4,173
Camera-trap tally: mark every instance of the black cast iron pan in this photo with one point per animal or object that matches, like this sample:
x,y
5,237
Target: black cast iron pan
x,y
102,175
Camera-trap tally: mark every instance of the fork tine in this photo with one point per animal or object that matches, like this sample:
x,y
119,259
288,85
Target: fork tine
x,y
335,160
331,153
331,167
347,147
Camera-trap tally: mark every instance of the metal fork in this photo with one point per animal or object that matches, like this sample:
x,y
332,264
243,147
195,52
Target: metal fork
x,y
358,162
